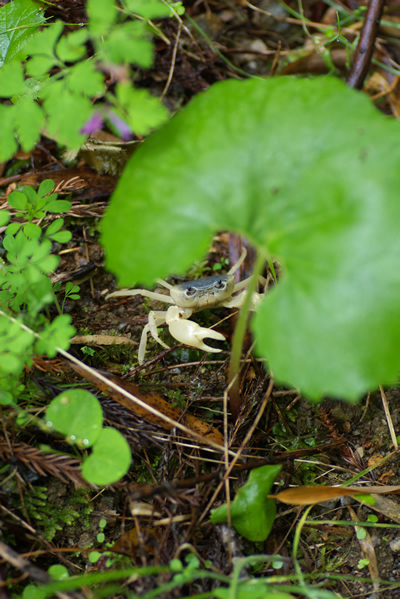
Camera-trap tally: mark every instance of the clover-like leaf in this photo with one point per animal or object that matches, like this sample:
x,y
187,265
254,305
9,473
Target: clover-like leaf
x,y
309,172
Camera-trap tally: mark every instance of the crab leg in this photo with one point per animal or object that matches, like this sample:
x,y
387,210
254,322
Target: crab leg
x,y
143,292
155,319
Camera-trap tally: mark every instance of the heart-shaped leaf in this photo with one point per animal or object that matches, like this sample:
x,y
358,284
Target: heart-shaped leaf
x,y
309,172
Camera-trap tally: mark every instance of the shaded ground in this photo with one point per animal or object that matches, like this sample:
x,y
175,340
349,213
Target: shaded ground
x,y
51,518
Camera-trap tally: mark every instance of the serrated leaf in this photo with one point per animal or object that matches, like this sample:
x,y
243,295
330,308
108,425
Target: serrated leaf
x,y
39,65
67,113
308,171
11,79
55,335
71,47
149,9
145,112
42,50
19,21
8,143
110,459
128,43
49,264
77,414
29,120
102,15
31,90
83,78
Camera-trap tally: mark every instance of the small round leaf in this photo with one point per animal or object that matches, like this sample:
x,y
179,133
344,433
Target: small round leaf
x,y
110,458
77,414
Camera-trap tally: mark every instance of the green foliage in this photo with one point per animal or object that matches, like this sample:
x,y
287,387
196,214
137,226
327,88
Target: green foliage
x,y
62,83
77,414
109,460
19,21
25,286
71,292
58,572
184,572
252,513
253,589
308,171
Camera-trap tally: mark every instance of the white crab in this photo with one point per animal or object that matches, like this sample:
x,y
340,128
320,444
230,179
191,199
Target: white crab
x,y
187,298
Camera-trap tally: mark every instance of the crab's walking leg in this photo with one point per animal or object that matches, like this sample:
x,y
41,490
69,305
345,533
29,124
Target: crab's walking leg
x,y
238,300
156,318
143,292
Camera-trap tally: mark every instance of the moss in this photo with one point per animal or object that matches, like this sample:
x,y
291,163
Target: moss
x,y
52,516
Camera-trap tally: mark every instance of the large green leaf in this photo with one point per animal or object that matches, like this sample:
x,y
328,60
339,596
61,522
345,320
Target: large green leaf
x,y
309,172
19,21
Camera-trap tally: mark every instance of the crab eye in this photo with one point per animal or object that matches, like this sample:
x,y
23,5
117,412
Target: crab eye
x,y
220,285
190,291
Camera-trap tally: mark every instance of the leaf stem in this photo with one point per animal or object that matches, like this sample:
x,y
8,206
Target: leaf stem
x,y
239,333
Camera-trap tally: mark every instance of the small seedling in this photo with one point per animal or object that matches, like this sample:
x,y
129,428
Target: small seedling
x,y
71,292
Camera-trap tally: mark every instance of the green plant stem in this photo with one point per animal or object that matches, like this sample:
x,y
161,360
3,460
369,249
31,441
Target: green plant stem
x,y
350,523
247,561
57,303
240,329
296,542
217,52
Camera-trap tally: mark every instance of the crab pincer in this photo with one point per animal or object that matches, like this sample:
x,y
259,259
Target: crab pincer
x,y
189,332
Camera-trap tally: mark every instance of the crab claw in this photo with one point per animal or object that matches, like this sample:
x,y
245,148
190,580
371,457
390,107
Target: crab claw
x,y
189,332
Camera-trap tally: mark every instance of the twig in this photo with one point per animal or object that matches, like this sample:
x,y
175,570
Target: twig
x,y
172,67
389,419
365,47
